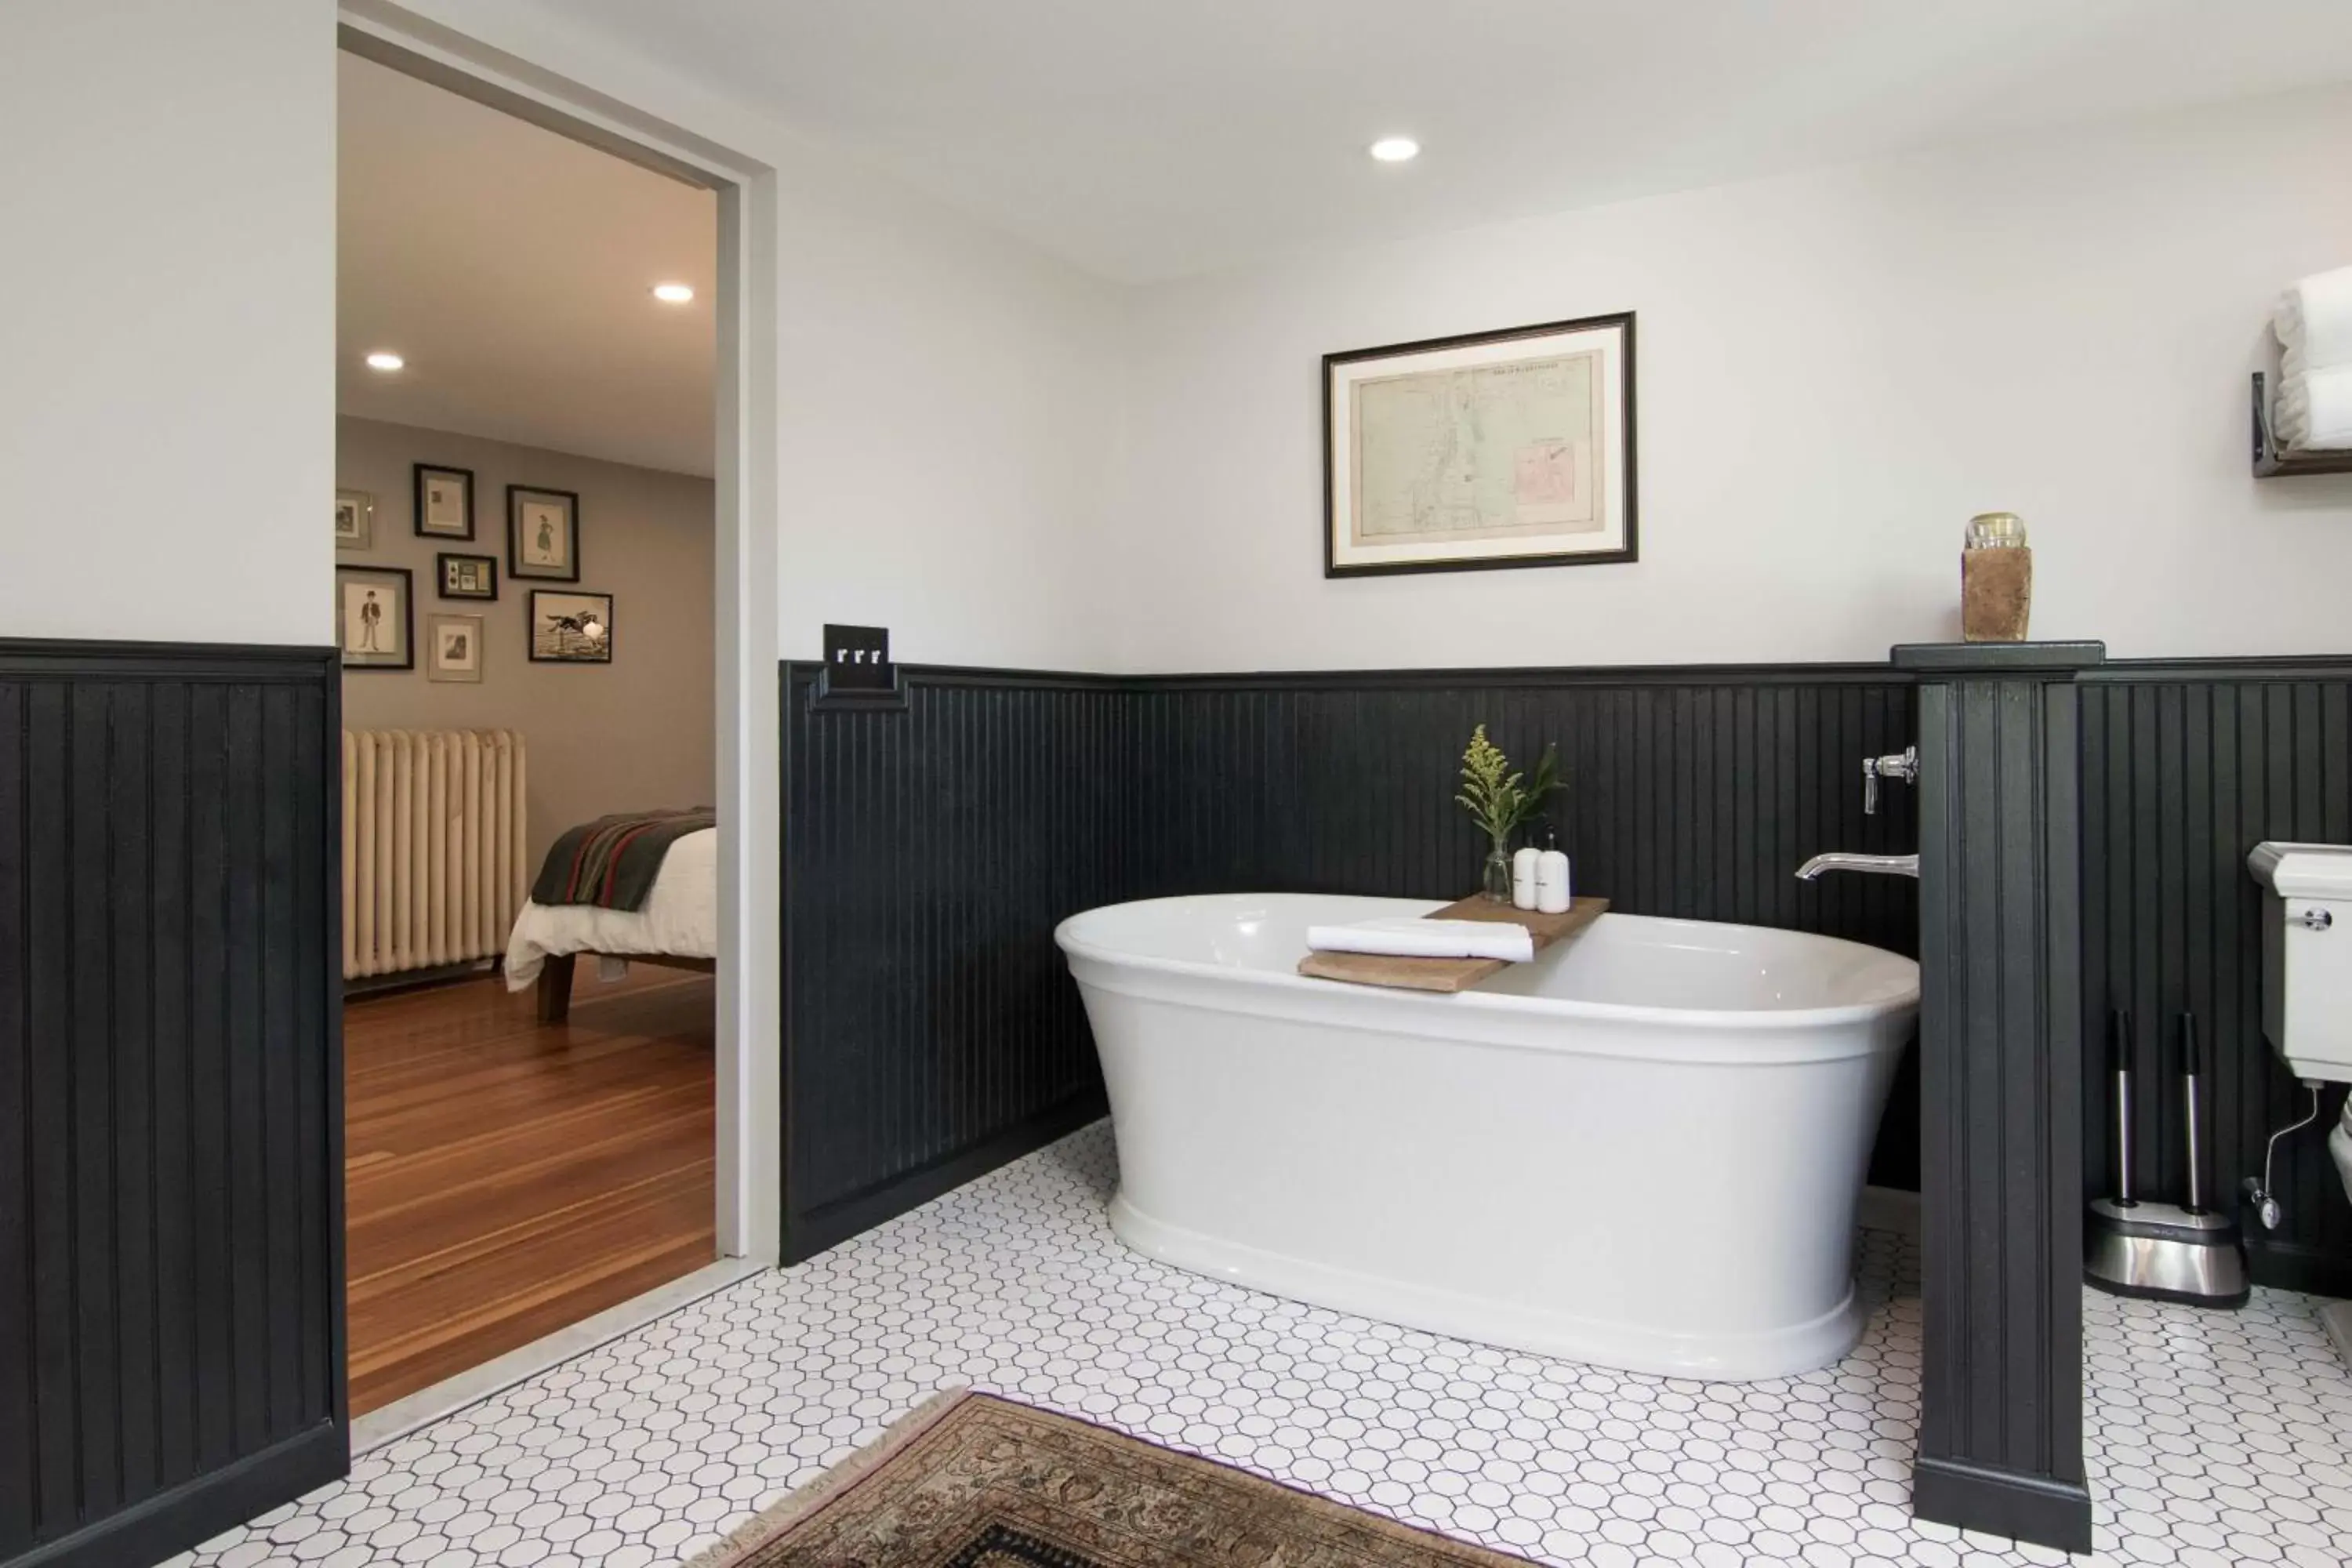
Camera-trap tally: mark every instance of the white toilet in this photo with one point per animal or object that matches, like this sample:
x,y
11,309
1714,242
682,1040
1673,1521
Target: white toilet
x,y
2308,987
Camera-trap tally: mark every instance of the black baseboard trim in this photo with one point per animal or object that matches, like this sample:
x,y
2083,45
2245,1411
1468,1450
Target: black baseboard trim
x,y
2035,1509
2284,1265
829,1225
172,1522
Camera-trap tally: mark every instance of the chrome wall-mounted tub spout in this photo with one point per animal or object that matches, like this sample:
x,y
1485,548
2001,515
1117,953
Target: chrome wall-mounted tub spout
x,y
1841,861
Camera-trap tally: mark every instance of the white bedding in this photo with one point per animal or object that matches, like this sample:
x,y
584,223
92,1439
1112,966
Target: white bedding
x,y
680,916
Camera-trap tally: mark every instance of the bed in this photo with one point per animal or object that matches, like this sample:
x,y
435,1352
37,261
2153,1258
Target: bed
x,y
678,927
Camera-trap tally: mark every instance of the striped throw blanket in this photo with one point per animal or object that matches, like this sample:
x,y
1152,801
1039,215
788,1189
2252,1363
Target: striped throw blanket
x,y
612,862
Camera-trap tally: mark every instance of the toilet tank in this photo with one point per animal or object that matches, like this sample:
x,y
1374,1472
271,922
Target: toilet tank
x,y
2307,955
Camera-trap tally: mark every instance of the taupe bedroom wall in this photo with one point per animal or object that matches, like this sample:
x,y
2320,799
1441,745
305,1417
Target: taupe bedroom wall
x,y
639,731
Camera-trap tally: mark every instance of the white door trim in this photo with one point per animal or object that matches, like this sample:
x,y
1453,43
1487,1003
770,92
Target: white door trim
x,y
750,1030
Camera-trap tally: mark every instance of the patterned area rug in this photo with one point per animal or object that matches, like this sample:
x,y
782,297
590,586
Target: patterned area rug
x,y
973,1481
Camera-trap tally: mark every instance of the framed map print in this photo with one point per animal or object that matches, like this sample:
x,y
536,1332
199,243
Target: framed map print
x,y
1510,448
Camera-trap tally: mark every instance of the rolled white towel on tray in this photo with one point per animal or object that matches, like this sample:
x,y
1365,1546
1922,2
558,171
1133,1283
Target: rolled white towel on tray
x,y
2314,319
1427,938
2313,411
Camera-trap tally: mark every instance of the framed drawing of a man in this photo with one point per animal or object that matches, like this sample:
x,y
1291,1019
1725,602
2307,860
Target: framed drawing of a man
x,y
372,620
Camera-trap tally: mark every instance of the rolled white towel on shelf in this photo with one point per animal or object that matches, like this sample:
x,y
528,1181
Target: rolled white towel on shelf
x,y
1427,938
2314,321
2313,411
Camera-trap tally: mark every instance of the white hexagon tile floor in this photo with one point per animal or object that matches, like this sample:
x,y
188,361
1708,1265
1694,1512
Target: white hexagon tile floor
x,y
2212,1438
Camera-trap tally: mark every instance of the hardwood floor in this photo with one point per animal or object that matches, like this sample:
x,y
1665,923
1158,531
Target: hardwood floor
x,y
505,1179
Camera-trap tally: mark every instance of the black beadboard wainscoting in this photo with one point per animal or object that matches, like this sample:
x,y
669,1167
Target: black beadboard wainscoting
x,y
931,1030
2185,767
171,1224
929,853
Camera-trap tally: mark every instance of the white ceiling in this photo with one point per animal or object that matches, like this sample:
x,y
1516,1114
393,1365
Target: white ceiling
x,y
512,268
1150,141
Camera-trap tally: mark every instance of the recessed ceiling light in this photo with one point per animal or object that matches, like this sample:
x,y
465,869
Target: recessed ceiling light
x,y
673,293
1396,149
384,359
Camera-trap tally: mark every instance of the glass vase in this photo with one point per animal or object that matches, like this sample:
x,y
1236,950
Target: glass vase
x,y
1497,885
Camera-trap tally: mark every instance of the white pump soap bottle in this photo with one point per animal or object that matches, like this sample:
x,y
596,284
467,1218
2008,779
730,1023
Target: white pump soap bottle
x,y
1523,877
1552,896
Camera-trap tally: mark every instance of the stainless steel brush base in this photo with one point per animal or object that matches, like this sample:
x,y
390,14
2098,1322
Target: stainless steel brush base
x,y
2162,1252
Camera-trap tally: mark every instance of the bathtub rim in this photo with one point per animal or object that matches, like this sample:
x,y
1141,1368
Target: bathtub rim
x,y
1745,1021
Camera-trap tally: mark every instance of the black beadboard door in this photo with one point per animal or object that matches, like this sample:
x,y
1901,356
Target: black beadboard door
x,y
171,1255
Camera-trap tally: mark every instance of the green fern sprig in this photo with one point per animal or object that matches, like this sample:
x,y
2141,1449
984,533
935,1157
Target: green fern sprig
x,y
1498,799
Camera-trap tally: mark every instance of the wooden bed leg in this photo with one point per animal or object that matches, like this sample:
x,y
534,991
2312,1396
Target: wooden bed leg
x,y
555,989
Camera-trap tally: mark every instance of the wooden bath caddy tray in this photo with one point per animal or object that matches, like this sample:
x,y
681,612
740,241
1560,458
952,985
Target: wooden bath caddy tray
x,y
1453,974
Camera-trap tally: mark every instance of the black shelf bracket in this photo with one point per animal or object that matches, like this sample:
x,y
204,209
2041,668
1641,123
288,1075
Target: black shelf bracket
x,y
2274,462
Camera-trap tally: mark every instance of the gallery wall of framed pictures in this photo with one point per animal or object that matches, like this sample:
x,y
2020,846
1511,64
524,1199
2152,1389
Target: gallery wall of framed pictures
x,y
376,615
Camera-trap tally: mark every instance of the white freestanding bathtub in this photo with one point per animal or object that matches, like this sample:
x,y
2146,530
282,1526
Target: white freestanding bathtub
x,y
1643,1150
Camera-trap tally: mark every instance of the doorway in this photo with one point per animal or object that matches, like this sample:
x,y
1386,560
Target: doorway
x,y
511,1175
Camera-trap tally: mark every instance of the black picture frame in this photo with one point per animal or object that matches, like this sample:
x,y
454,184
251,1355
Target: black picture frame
x,y
1627,452
418,473
407,619
517,570
530,629
445,559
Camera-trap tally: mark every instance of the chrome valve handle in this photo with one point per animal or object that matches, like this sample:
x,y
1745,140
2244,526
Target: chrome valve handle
x,y
1903,764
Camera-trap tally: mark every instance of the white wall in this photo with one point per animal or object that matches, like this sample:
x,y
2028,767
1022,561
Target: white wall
x,y
1008,462
948,408
946,397
1835,369
167,289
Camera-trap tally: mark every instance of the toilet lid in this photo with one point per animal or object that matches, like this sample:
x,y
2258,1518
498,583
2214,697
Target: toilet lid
x,y
2304,870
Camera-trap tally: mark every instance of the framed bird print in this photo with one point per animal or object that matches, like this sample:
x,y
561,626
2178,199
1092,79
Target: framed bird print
x,y
571,628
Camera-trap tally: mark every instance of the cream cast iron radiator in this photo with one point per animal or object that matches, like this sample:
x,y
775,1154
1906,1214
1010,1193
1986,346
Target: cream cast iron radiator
x,y
433,867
